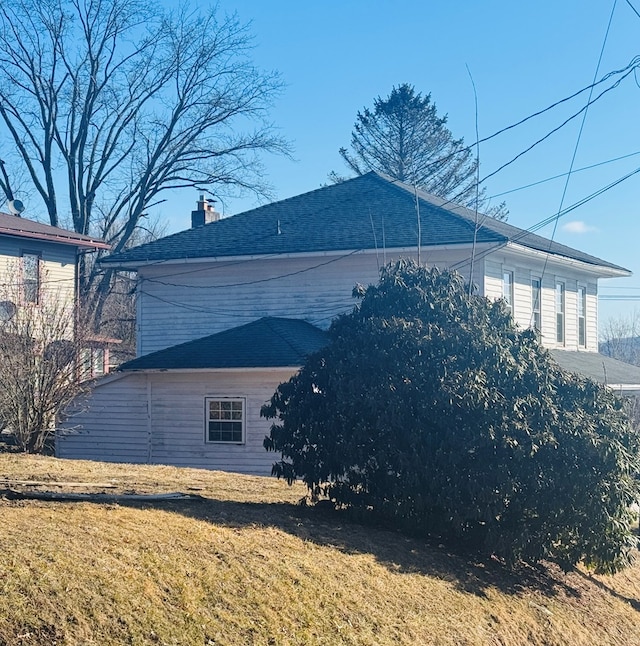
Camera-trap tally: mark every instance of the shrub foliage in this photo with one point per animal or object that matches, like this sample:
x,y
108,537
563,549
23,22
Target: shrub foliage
x,y
430,408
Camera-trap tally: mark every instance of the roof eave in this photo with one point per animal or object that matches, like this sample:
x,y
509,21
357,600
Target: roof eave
x,y
72,242
135,264
286,369
603,271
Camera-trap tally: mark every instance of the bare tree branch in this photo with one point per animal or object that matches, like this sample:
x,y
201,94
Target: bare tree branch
x,y
111,102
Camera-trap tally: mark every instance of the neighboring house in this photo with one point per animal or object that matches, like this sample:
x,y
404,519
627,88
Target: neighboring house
x,y
300,259
38,268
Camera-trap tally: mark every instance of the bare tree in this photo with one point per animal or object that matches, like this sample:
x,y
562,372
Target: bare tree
x,y
40,367
403,137
620,338
111,103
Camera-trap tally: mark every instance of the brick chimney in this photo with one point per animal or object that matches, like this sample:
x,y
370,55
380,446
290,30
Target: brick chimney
x,y
204,214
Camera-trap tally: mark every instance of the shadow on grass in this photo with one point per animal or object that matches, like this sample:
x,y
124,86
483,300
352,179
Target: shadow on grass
x,y
634,603
396,551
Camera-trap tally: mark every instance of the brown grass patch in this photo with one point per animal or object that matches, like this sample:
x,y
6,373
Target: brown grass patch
x,y
246,565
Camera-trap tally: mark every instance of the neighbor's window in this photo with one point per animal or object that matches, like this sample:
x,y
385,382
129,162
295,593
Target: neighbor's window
x,y
31,277
225,420
92,363
560,296
582,319
536,311
507,289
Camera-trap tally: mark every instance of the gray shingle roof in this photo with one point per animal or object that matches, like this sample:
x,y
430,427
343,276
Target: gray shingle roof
x,y
12,225
598,367
269,342
361,213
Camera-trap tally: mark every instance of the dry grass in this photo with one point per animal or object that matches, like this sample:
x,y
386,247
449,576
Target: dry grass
x,y
245,565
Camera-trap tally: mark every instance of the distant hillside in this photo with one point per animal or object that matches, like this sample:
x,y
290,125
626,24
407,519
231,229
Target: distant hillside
x,y
240,563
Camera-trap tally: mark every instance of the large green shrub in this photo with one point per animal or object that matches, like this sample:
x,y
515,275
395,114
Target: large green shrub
x,y
430,408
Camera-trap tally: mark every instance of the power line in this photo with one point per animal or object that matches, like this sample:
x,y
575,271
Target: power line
x,y
542,223
549,179
578,139
633,8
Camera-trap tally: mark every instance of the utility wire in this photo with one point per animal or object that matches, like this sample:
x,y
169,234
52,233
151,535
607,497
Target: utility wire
x,y
542,223
549,179
575,149
633,8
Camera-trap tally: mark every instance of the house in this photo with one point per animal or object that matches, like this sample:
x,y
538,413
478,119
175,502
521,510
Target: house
x,y
298,260
39,269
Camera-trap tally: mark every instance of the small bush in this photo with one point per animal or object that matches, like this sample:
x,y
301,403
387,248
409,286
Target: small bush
x,y
430,408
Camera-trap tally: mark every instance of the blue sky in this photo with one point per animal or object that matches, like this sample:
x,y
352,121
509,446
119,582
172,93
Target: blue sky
x,y
335,57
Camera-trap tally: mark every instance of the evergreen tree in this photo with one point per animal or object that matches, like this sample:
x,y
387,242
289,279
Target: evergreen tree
x,y
404,137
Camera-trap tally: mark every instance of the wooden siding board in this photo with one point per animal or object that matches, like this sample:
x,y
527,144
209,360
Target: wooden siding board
x,y
179,303
110,424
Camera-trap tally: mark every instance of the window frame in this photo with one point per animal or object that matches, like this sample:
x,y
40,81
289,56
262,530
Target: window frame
x,y
37,282
512,292
536,313
561,310
243,420
581,313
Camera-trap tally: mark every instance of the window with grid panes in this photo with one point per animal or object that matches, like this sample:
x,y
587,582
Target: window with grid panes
x,y
225,420
31,278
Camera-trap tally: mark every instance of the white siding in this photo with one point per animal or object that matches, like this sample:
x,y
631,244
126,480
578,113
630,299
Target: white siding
x,y
57,270
522,297
592,316
185,301
111,424
159,418
492,279
524,270
181,302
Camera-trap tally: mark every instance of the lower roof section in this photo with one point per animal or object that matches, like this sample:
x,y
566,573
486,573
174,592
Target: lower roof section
x,y
269,342
605,370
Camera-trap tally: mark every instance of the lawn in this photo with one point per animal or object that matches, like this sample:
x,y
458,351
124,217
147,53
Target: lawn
x,y
240,562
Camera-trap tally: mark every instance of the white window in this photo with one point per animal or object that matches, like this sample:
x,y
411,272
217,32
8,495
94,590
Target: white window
x,y
31,277
507,289
560,298
582,316
92,363
224,420
536,309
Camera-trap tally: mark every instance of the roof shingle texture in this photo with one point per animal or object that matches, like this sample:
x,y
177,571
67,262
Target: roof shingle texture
x,y
599,367
269,342
367,212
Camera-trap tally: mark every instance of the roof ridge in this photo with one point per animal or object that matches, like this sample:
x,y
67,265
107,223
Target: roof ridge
x,y
466,215
275,329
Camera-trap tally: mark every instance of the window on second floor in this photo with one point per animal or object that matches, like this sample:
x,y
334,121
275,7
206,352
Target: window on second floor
x,y
507,289
536,309
560,306
31,278
582,316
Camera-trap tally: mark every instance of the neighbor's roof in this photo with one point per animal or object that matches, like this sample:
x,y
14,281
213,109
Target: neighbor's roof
x,y
600,368
367,212
269,342
12,225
